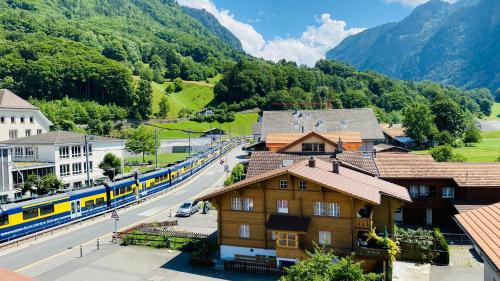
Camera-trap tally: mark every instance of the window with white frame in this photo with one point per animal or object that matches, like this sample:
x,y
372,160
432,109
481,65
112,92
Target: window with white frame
x,y
236,204
282,206
247,204
85,167
448,192
414,191
77,168
28,151
302,185
64,152
85,149
39,131
64,170
2,119
423,191
18,151
283,184
22,119
325,238
13,134
77,184
327,209
32,119
244,231
27,132
12,119
76,151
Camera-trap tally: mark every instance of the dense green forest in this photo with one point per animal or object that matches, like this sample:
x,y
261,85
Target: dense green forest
x,y
90,50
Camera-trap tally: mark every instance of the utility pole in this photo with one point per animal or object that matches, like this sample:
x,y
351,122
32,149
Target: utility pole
x,y
156,149
87,159
189,138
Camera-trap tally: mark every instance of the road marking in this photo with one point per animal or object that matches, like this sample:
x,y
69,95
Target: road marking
x,y
128,226
152,211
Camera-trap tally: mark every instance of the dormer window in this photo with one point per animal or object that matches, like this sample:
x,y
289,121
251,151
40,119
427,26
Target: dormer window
x,y
12,119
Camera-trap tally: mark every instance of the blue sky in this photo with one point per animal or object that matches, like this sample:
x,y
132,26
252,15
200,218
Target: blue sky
x,y
300,30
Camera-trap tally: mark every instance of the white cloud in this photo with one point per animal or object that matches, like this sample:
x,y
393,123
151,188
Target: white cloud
x,y
414,3
312,45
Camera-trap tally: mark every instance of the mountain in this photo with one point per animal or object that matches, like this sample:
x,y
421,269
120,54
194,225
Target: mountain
x,y
91,48
210,22
456,44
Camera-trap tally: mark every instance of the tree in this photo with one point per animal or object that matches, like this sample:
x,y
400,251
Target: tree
x,y
141,141
449,116
178,84
42,185
444,137
442,153
169,89
320,266
497,95
144,102
237,174
472,135
164,107
111,165
418,122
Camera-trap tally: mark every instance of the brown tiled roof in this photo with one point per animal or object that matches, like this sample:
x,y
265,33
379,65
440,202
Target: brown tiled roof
x,y
483,226
265,161
395,165
363,160
394,130
347,181
465,205
288,223
10,100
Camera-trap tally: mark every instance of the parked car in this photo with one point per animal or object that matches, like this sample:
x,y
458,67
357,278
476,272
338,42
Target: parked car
x,y
188,208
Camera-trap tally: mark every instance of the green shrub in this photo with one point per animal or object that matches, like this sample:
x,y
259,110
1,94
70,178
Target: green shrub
x,y
443,256
374,276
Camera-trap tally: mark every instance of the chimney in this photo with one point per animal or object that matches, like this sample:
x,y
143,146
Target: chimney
x,y
312,162
340,146
336,166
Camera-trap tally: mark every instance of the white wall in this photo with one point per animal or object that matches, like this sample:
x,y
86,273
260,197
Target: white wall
x,y
39,122
229,251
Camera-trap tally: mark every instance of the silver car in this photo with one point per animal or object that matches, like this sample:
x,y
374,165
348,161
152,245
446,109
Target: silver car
x,y
187,208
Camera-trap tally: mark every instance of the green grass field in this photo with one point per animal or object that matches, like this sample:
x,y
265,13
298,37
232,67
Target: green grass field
x,y
495,111
488,150
195,96
242,125
163,159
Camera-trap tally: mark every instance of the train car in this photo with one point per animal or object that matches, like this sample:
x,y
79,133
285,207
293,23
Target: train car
x,y
19,219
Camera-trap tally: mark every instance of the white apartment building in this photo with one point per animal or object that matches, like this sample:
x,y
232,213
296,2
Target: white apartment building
x,y
19,118
59,152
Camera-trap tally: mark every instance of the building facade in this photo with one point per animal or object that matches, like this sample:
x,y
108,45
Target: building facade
x,y
59,152
18,118
283,212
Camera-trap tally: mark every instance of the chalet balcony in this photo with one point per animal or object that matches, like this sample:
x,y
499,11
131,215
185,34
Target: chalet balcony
x,y
363,223
291,253
372,252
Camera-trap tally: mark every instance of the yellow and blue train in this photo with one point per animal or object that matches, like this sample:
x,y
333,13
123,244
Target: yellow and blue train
x,y
23,218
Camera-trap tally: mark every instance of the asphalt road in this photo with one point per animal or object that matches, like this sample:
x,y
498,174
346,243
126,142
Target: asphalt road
x,y
41,250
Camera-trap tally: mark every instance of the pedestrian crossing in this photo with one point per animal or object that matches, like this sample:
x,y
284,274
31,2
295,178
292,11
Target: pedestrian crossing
x,y
151,211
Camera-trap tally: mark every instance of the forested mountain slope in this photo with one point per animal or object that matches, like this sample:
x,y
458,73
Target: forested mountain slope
x,y
90,48
457,44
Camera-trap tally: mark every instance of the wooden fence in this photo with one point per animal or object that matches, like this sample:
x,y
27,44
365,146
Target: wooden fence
x,y
253,267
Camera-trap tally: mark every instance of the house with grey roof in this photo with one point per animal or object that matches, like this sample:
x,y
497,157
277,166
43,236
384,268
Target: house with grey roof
x,y
360,120
58,152
19,118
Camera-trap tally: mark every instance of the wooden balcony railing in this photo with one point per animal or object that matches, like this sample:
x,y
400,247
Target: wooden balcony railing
x,y
365,223
372,252
291,253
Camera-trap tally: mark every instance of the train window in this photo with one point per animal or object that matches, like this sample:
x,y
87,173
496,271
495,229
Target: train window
x,y
122,190
99,202
116,192
89,204
46,210
29,214
157,179
129,188
4,220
